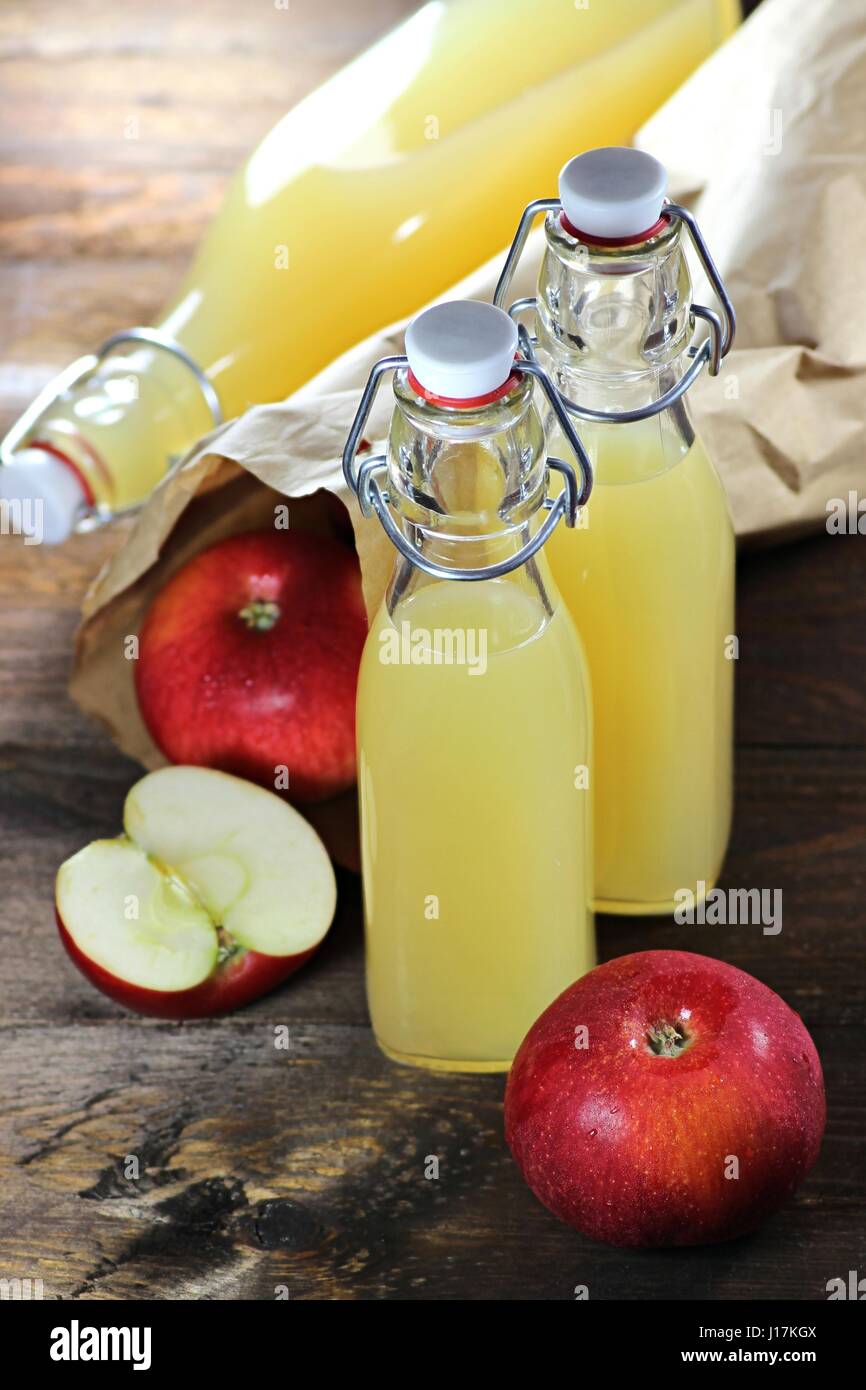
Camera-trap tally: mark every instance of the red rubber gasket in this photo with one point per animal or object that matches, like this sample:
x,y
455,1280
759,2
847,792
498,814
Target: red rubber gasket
x,y
463,402
52,449
635,240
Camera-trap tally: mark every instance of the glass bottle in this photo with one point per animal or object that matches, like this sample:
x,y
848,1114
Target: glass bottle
x,y
649,579
473,707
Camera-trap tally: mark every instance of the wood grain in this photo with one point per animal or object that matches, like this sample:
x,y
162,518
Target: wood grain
x,y
307,1169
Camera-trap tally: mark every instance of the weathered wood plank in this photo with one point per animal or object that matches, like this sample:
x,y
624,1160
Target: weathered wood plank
x,y
307,1168
801,619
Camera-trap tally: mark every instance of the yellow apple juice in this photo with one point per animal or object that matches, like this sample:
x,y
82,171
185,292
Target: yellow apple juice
x,y
649,577
470,787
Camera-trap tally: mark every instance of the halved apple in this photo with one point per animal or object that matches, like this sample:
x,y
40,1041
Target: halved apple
x,y
217,891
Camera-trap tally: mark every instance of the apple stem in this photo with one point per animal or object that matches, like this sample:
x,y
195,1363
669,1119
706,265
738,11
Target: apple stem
x,y
260,615
667,1039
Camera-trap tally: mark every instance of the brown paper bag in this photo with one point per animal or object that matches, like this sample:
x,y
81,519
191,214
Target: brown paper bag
x,y
767,144
780,201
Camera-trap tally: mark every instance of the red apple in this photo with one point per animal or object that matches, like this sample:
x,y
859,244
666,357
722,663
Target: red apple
x,y
694,1110
216,893
248,661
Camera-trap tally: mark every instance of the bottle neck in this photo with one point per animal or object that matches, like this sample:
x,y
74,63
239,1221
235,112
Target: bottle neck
x,y
466,481
124,424
466,485
614,321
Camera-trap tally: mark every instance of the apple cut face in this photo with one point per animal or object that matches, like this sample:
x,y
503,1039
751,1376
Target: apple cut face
x,y
133,920
215,894
253,862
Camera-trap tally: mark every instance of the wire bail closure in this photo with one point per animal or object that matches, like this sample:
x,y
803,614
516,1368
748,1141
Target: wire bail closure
x,y
77,372
709,352
362,480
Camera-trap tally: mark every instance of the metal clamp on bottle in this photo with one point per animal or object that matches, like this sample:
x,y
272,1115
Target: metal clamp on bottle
x,y
82,367
363,480
93,515
636,212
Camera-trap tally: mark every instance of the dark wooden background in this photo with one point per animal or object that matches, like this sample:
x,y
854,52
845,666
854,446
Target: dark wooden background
x,y
305,1168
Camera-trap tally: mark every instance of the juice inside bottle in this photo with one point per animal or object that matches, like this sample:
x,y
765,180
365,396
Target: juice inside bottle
x,y
375,193
651,582
475,813
471,930
649,574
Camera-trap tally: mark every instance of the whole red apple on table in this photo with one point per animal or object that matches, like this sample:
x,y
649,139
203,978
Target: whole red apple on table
x,y
216,892
248,661
689,1064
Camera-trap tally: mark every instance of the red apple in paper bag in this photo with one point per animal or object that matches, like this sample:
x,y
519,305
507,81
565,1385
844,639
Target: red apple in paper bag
x,y
248,661
665,1099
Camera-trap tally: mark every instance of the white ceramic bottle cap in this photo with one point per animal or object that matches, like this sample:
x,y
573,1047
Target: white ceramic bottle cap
x,y
613,192
461,349
43,497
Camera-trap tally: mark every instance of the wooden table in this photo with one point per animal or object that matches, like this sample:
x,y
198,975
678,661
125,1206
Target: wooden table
x,y
304,1168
